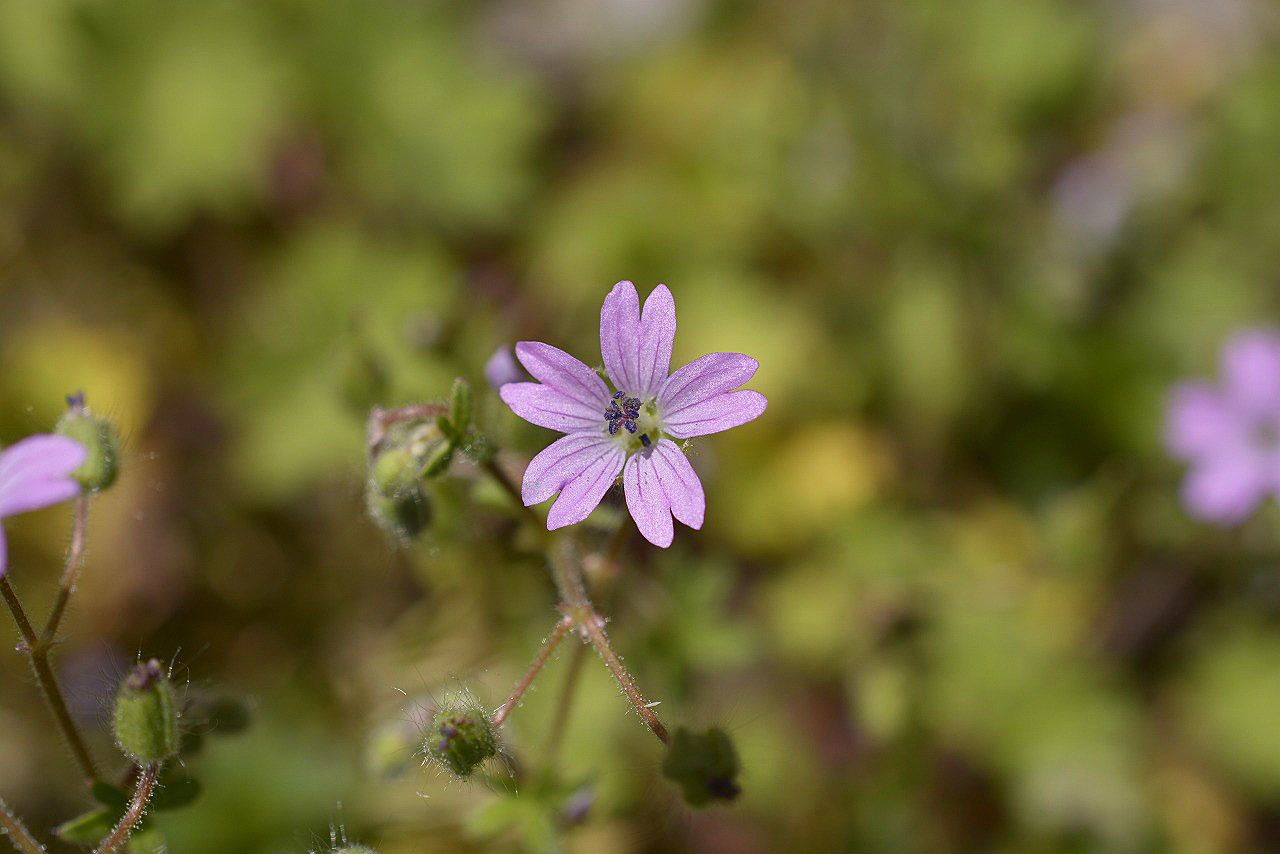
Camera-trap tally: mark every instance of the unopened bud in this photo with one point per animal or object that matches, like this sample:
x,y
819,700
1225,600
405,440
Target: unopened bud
x,y
146,717
102,461
396,497
705,766
502,368
460,737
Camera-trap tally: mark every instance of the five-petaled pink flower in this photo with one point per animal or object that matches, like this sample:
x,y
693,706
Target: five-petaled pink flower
x,y
1230,434
36,472
629,430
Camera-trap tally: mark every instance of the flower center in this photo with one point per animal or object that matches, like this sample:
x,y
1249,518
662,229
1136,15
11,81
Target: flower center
x,y
625,413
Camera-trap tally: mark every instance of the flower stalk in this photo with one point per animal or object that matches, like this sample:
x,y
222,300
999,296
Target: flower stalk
x,y
561,629
37,650
134,813
12,826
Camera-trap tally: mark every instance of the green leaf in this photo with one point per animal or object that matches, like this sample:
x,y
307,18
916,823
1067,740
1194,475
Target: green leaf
x,y
111,796
147,840
175,792
89,827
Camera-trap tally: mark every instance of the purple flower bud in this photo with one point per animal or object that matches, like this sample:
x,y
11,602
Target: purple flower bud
x,y
502,368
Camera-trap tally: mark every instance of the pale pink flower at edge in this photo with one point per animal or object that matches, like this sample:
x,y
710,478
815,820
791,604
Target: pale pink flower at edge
x,y
1230,433
36,472
631,431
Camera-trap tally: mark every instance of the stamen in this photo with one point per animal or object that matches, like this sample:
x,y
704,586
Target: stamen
x,y
630,425
644,439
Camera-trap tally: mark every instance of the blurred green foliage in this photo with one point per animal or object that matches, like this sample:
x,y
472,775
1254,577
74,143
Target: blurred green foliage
x,y
945,598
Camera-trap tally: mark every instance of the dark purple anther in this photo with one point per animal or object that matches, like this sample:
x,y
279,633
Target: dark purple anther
x,y
644,439
630,425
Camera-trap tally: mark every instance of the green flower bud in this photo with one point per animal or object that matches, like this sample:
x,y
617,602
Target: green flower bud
x,y
102,464
460,406
146,717
396,497
705,766
460,737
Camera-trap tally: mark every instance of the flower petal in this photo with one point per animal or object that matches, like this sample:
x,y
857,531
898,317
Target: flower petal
x,y
1226,488
560,462
1200,423
719,413
36,472
679,483
701,379
647,501
657,337
620,336
582,494
1251,370
563,372
549,407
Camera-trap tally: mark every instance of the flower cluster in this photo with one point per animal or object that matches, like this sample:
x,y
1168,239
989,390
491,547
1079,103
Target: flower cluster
x,y
631,430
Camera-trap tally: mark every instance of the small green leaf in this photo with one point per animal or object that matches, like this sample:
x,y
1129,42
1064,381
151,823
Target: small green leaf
x,y
175,792
111,796
90,827
147,840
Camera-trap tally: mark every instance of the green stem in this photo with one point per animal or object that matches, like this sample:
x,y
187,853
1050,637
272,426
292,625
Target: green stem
x,y
38,652
137,809
11,826
70,571
548,647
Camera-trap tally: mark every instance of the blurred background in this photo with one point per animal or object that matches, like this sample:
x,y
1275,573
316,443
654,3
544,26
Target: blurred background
x,y
945,599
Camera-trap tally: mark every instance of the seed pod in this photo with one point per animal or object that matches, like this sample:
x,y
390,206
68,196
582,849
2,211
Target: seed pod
x,y
460,737
146,715
705,766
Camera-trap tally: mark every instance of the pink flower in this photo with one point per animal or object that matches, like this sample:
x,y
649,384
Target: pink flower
x,y
36,472
1230,433
630,430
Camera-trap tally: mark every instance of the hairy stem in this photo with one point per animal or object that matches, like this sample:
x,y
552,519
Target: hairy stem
x,y
548,647
593,625
11,826
70,570
137,809
38,652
